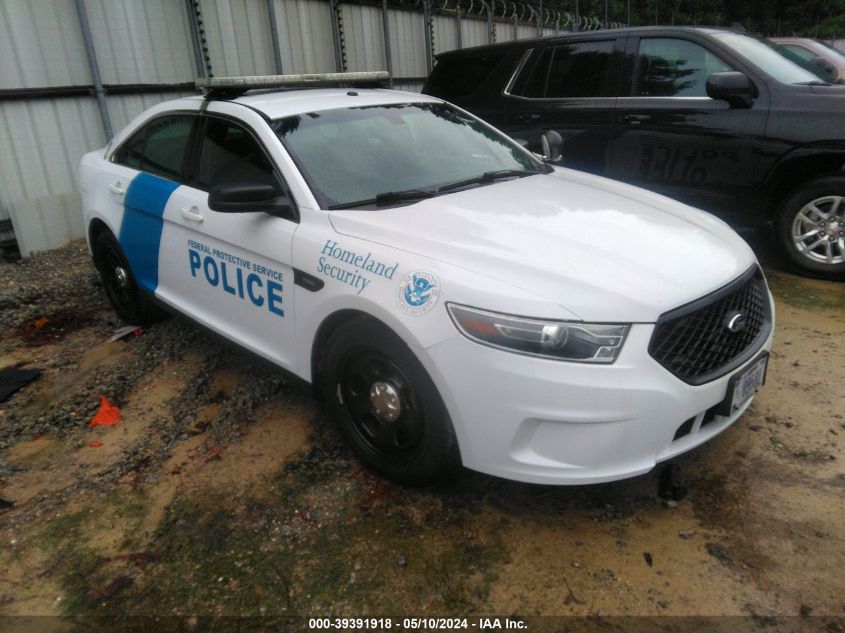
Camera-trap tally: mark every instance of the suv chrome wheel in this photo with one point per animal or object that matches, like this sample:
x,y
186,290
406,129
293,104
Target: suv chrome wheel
x,y
818,230
810,228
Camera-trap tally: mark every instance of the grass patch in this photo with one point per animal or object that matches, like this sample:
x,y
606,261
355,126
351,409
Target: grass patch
x,y
323,537
803,293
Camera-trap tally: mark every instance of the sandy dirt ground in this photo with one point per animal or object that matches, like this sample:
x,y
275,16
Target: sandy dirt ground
x,y
225,491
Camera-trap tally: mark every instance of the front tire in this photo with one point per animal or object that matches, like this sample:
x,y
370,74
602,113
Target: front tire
x,y
386,405
123,293
810,228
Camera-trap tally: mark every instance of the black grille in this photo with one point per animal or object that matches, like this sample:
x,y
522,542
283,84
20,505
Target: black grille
x,y
694,342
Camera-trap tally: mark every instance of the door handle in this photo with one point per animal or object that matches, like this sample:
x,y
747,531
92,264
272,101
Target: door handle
x,y
192,215
635,119
524,118
117,188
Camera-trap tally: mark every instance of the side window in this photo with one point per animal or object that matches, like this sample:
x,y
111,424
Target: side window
x,y
158,147
532,80
579,69
461,77
230,154
669,67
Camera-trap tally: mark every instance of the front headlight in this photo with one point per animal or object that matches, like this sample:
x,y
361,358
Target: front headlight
x,y
562,340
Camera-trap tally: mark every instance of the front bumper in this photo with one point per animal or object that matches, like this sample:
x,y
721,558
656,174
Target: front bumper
x,y
553,422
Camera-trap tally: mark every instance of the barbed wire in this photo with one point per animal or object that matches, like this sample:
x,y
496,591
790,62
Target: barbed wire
x,y
569,15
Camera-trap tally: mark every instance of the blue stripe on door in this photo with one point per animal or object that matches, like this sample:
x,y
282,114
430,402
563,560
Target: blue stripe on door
x,y
140,232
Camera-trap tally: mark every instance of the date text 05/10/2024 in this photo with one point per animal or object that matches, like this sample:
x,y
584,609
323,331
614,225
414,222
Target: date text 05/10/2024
x,y
416,624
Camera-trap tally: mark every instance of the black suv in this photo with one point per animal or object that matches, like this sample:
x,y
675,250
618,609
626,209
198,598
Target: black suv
x,y
712,117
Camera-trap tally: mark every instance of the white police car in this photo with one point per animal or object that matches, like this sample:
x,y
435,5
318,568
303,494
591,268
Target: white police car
x,y
452,298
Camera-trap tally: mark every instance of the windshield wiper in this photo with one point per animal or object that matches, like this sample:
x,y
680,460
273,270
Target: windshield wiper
x,y
816,82
388,197
391,197
488,177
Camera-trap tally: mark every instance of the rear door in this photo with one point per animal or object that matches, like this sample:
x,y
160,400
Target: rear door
x,y
570,87
141,178
674,139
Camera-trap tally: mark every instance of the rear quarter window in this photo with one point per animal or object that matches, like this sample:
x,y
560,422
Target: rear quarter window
x,y
569,70
461,77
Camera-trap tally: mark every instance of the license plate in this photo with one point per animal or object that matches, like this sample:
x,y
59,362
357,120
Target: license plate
x,y
748,382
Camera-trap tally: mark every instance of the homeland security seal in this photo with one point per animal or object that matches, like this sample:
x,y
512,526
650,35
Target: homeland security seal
x,y
418,292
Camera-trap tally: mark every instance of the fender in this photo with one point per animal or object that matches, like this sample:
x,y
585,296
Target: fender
x,y
345,303
803,163
97,222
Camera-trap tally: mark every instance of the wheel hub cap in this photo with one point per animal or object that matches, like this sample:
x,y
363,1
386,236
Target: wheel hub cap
x,y
121,277
818,230
385,400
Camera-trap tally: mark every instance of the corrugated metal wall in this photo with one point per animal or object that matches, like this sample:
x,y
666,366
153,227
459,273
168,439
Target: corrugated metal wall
x,y
238,37
140,42
41,45
305,36
149,42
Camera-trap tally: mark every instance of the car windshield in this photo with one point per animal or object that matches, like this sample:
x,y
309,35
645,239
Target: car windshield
x,y
767,57
383,154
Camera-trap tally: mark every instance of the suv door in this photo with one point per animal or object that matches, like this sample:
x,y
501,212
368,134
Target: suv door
x,y
674,139
570,87
232,271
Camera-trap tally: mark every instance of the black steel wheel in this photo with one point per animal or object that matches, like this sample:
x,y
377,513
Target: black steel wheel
x,y
123,293
386,405
382,405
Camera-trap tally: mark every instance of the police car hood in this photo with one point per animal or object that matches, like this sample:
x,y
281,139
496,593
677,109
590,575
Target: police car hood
x,y
603,250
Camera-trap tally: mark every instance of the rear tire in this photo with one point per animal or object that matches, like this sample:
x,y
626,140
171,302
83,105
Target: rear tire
x,y
386,405
123,293
810,228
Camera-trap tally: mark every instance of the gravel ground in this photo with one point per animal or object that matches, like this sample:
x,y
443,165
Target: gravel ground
x,y
224,491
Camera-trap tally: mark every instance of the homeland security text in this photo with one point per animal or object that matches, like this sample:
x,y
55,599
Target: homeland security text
x,y
359,264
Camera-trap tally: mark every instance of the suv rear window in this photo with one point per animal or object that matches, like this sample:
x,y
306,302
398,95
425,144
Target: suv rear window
x,y
579,69
461,77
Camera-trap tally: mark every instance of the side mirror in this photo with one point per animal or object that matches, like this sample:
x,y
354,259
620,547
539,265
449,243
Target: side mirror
x,y
734,87
552,143
247,197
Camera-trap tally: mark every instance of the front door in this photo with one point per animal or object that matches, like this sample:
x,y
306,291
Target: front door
x,y
674,139
232,271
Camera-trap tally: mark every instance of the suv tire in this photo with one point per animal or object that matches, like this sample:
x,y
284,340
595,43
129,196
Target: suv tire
x,y
816,211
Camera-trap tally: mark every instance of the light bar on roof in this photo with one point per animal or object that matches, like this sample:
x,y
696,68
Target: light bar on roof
x,y
276,81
